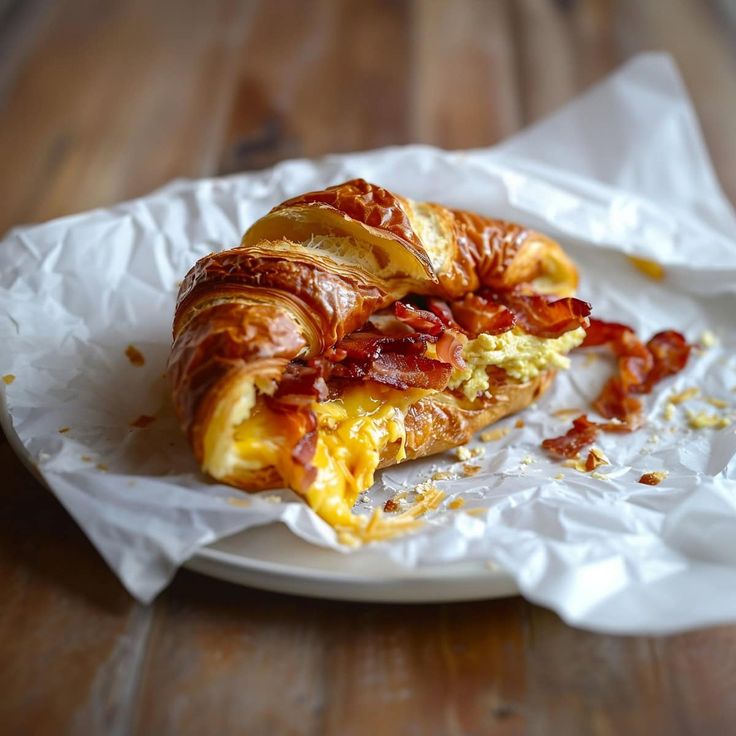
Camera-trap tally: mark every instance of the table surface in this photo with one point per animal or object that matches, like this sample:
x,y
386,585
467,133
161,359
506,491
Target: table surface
x,y
102,101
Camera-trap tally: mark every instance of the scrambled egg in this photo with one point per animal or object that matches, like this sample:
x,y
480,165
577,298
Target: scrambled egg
x,y
522,356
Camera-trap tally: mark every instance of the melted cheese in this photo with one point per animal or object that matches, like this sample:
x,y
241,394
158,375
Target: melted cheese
x,y
353,432
521,355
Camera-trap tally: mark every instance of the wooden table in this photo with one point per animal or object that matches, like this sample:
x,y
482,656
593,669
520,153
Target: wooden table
x,y
103,101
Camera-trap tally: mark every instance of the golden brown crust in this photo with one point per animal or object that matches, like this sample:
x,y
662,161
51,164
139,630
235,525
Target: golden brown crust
x,y
314,269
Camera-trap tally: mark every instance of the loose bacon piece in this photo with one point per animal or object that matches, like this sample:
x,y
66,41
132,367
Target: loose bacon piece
x,y
545,317
670,352
639,368
476,314
420,319
582,433
450,350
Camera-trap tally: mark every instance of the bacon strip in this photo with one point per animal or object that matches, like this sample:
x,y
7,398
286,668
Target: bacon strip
x,y
544,317
419,319
476,313
640,367
397,370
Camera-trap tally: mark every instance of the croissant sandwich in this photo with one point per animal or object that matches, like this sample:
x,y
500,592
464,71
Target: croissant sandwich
x,y
353,329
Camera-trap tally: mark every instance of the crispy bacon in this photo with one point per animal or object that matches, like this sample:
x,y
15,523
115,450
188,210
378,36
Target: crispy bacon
x,y
369,345
441,309
640,367
450,350
419,319
303,382
582,433
397,370
670,351
476,313
545,317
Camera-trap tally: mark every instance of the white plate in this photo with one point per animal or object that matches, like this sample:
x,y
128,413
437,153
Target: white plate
x,y
272,558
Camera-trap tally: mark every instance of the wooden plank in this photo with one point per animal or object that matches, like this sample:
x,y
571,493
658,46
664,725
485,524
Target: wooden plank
x,y
70,636
464,72
333,78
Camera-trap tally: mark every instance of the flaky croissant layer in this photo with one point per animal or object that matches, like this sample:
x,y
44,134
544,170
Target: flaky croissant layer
x,y
311,272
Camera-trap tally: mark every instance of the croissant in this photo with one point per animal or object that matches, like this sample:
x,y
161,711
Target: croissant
x,y
353,329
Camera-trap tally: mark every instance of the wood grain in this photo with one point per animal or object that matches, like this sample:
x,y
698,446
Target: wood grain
x,y
105,101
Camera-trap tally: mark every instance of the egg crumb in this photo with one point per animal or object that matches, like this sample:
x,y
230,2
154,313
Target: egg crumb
x,y
669,411
527,460
441,475
708,339
686,395
704,420
718,403
456,503
649,268
559,476
8,378
599,476
462,453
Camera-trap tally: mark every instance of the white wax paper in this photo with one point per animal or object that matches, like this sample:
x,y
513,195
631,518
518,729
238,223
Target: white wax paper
x,y
621,170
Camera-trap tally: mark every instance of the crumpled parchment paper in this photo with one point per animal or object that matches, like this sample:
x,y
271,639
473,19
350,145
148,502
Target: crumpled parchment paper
x,y
621,170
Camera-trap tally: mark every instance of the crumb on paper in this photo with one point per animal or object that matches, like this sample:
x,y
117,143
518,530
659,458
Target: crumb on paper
x,y
142,421
64,430
442,475
649,268
595,459
102,467
8,378
591,358
237,501
391,506
378,528
134,355
669,411
456,503
718,403
477,452
527,460
559,476
599,476
708,339
462,453
85,458
704,420
469,470
653,438
654,478
566,412
477,511
491,565
686,395
491,435
519,424
271,499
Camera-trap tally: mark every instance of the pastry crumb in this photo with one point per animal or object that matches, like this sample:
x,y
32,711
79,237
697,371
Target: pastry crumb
x,y
64,430
559,476
491,435
134,355
102,467
669,411
85,458
566,412
469,470
527,460
653,478
441,475
456,503
241,502
599,476
595,459
270,499
519,424
391,506
142,421
8,378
